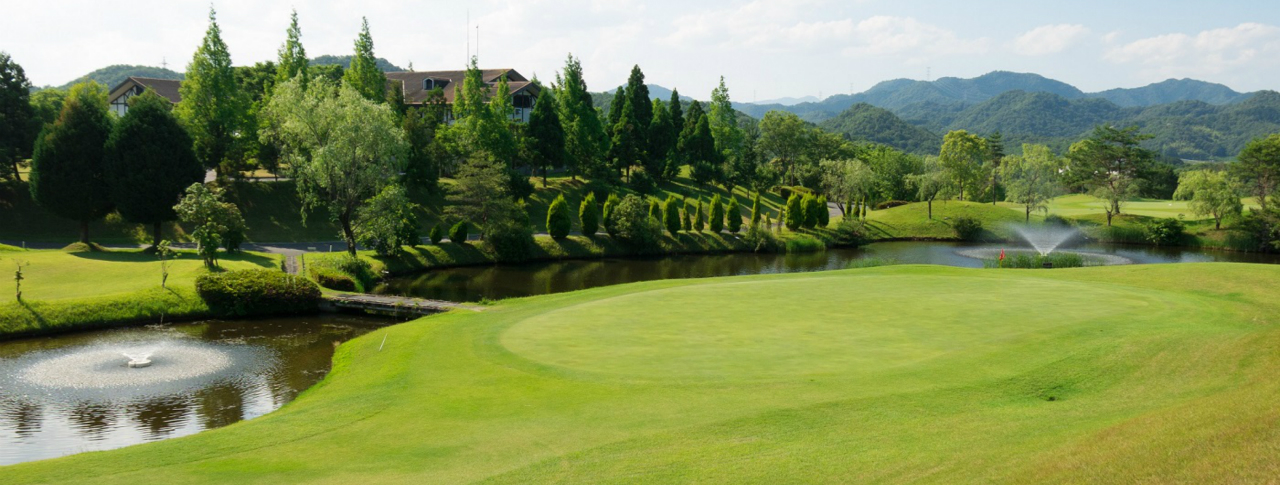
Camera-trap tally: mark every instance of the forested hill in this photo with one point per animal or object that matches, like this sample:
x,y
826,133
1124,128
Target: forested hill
x,y
345,62
863,122
110,76
1185,129
904,94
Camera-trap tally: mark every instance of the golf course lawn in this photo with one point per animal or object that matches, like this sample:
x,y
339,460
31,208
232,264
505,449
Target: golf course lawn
x,y
1155,373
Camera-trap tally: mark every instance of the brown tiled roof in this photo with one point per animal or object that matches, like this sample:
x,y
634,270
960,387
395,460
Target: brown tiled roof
x,y
412,82
166,88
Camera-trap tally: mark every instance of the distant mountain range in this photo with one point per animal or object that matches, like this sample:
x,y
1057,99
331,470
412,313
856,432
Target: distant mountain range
x,y
901,94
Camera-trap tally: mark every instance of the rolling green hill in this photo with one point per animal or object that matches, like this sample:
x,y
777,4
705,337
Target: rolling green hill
x,y
110,76
864,122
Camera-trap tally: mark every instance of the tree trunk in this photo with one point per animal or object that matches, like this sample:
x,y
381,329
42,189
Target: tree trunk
x,y
1217,223
155,239
1109,214
931,209
17,176
84,232
544,177
1027,220
348,235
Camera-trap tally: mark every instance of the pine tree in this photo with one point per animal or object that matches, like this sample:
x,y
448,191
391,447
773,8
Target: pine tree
x,y
755,210
589,215
18,122
700,151
585,138
661,141
559,221
655,210
674,161
824,215
293,57
809,205
149,163
724,122
68,169
686,216
638,93
615,108
734,216
995,158
626,147
213,109
716,224
546,134
699,217
610,225
795,212
671,214
437,234
363,74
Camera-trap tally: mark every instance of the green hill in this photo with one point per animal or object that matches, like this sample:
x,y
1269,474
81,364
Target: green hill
x,y
110,76
345,62
864,122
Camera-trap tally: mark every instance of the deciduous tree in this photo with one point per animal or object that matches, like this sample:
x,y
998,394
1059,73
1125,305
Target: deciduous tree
x,y
1259,168
1031,179
962,156
1110,163
1211,193
18,122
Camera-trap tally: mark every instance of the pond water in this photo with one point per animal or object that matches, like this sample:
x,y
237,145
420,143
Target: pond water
x,y
75,393
509,281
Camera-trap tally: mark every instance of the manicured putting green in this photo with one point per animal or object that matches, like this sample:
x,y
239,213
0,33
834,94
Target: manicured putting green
x,y
756,330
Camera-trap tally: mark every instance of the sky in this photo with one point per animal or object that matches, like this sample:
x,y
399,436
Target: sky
x,y
765,48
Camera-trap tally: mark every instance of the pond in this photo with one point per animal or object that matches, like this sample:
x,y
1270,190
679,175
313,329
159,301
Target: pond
x,y
475,283
77,392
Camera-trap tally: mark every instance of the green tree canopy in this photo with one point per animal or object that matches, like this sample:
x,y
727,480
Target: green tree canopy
x,y
546,133
1031,179
585,140
1211,192
292,61
149,163
364,75
1110,163
662,141
1259,167
343,148
18,122
784,138
724,122
962,156
213,108
68,168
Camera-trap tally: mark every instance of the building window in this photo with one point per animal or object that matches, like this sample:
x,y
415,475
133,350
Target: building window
x,y
522,101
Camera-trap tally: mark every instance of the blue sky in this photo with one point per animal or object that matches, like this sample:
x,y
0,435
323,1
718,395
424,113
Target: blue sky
x,y
765,49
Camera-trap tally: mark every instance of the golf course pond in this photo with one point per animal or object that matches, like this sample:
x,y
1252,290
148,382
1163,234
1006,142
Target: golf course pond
x,y
80,392
475,283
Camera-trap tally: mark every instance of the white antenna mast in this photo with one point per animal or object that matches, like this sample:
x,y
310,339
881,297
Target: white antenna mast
x,y
467,31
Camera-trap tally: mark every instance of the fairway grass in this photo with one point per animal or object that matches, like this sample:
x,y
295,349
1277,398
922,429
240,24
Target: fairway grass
x,y
892,374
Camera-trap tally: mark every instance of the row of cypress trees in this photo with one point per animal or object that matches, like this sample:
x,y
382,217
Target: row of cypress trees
x,y
807,211
675,215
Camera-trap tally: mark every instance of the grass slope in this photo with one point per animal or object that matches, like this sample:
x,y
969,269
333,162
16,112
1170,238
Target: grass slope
x,y
883,375
912,221
63,290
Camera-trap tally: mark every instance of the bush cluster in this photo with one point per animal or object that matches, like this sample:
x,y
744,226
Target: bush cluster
x,y
967,228
633,226
342,273
761,240
804,243
1163,232
257,292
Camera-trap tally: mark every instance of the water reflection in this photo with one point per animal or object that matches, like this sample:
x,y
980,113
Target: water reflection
x,y
43,422
510,281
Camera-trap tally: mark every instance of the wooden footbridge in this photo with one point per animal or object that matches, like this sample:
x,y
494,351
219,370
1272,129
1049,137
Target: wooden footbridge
x,y
396,305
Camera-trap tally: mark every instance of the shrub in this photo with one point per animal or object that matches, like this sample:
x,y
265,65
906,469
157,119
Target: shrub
x,y
761,240
850,233
734,215
804,243
559,221
257,292
609,205
824,215
699,217
387,221
458,233
671,215
889,204
967,228
810,206
589,215
343,273
1163,232
1036,261
1056,220
795,212
511,240
655,210
686,216
437,234
633,225
716,223
755,209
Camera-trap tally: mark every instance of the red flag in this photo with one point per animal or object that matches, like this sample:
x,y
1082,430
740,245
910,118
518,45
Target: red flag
x,y
1002,254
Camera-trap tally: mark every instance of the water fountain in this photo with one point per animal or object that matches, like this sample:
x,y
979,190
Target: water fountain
x,y
1045,240
138,360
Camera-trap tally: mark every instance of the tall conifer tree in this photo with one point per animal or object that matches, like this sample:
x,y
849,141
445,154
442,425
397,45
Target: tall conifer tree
x,y
293,57
364,75
68,171
213,109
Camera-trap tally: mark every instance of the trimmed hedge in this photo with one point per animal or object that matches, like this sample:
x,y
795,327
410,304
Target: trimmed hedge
x,y
257,292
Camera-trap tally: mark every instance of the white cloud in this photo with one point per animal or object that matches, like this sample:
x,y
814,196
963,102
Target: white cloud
x,y
1249,46
887,35
1049,39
